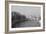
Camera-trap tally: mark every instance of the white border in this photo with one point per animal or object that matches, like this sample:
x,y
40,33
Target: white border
x,y
27,28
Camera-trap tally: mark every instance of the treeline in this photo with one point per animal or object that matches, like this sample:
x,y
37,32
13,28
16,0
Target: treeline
x,y
17,18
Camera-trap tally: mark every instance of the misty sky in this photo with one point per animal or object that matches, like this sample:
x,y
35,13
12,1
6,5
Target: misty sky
x,y
27,10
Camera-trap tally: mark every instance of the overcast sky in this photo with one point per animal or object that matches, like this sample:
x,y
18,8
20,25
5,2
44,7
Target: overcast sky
x,y
27,10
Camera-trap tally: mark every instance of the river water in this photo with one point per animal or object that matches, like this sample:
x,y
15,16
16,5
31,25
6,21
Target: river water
x,y
30,24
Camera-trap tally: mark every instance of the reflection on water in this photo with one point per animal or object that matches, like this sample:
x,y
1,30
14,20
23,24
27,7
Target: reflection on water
x,y
29,24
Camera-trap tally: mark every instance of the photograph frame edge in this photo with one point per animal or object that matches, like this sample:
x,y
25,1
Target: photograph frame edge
x,y
7,22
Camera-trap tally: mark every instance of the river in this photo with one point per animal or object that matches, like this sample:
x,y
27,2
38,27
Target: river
x,y
30,24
